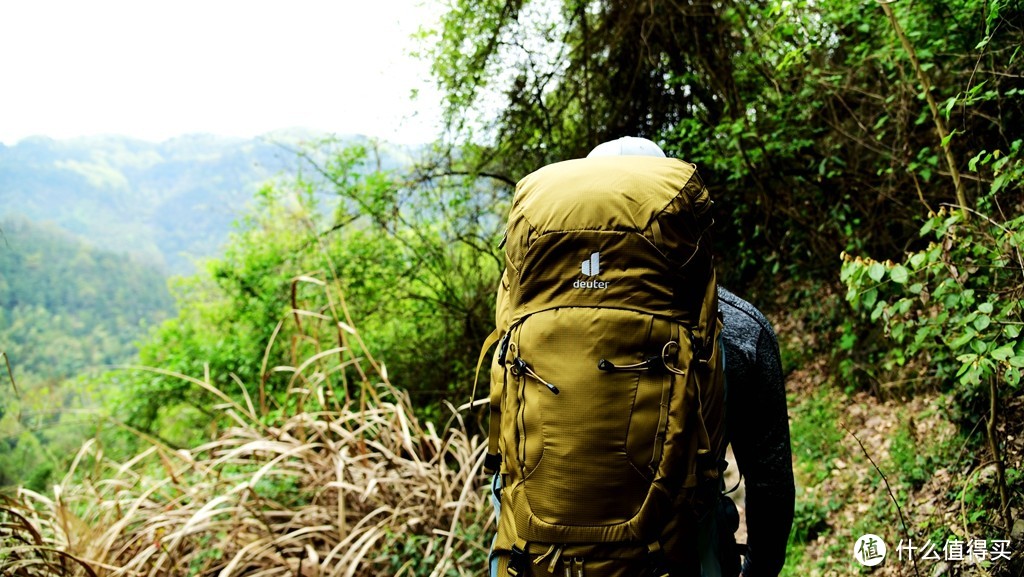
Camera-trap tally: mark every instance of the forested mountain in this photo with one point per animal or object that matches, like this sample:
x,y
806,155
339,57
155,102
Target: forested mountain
x,y
168,202
55,288
65,308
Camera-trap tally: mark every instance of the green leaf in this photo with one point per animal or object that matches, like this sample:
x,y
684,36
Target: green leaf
x,y
985,308
950,104
879,309
1012,331
847,341
1002,353
876,271
999,182
903,306
899,274
960,341
949,137
966,361
847,270
982,322
979,346
1017,361
868,298
852,296
1012,377
972,377
973,163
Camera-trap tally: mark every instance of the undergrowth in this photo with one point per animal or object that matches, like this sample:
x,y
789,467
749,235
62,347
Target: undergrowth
x,y
938,486
354,484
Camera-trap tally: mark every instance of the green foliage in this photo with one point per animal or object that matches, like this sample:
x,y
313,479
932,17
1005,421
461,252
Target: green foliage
x,y
227,315
915,456
953,309
413,254
809,520
418,555
806,118
418,263
815,434
956,302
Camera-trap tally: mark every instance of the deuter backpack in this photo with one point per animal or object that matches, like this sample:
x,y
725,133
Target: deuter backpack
x,y
606,393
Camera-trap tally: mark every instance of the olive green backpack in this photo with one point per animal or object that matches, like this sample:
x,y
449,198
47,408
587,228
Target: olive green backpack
x,y
606,386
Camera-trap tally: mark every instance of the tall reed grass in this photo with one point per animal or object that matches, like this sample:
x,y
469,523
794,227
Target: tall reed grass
x,y
347,482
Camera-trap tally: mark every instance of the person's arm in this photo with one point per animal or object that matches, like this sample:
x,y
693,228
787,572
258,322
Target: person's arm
x,y
763,453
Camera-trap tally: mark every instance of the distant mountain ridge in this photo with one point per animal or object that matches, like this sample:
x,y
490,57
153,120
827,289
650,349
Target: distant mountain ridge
x,y
167,203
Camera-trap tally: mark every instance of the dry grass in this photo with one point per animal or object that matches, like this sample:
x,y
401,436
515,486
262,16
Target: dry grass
x,y
349,483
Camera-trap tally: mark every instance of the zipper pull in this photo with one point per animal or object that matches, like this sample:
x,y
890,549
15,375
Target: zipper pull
x,y
647,364
519,367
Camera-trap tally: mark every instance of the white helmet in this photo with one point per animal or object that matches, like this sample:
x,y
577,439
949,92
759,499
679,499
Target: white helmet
x,y
627,146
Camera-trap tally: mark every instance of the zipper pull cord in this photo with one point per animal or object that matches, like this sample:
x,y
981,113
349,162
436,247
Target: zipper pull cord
x,y
519,367
608,366
670,349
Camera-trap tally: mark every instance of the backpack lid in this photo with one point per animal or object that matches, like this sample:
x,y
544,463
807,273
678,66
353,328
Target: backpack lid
x,y
604,193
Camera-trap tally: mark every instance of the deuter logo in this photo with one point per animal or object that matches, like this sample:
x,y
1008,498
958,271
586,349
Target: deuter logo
x,y
591,267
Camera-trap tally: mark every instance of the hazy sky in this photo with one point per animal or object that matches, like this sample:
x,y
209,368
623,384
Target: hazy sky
x,y
154,69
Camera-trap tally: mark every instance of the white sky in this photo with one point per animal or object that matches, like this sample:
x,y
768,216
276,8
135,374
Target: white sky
x,y
154,69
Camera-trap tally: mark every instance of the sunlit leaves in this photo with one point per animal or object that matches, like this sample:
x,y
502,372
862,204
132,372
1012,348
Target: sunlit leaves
x,y
960,297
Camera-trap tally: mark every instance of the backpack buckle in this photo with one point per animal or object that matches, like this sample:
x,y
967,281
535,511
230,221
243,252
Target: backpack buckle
x,y
518,562
492,462
658,565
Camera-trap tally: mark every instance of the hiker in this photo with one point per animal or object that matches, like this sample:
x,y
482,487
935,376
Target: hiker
x,y
757,420
607,387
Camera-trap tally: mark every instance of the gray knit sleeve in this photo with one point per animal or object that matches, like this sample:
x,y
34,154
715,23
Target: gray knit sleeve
x,y
758,428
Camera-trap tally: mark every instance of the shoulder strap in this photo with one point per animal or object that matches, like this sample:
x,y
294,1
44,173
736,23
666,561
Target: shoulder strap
x,y
488,343
493,459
